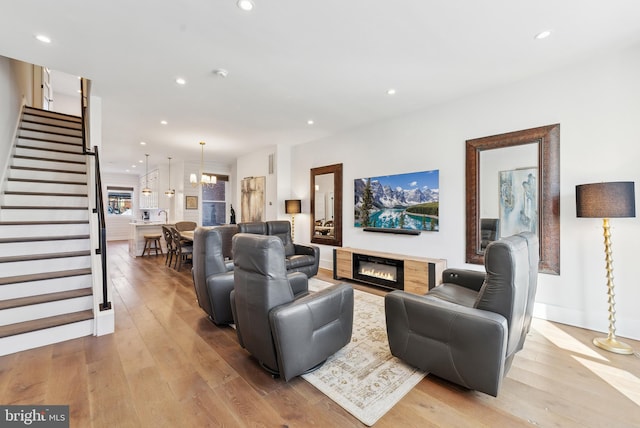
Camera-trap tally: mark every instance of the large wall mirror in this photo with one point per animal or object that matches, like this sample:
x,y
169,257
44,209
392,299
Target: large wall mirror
x,y
513,185
326,205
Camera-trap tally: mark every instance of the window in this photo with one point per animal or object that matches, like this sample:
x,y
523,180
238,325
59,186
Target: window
x,y
214,202
119,200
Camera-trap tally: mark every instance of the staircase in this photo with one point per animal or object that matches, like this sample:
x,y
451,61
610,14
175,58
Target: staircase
x,y
45,252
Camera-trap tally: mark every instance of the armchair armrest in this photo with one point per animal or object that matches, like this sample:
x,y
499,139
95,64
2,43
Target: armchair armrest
x,y
219,287
228,265
467,278
312,328
299,283
307,250
464,345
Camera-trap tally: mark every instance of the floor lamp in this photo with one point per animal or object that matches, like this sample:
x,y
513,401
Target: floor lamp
x,y
607,200
293,207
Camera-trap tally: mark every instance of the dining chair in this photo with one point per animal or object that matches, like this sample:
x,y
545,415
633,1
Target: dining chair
x,y
183,252
171,250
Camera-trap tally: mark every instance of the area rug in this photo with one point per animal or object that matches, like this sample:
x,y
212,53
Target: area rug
x,y
363,377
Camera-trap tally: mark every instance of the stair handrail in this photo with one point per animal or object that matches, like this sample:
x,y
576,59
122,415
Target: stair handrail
x,y
98,209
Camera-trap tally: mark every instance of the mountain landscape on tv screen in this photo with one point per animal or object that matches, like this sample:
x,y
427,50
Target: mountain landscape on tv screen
x,y
405,201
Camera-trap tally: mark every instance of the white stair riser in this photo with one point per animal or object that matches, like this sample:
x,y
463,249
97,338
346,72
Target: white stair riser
x,y
46,201
28,230
47,175
35,339
52,129
52,121
35,288
44,310
46,265
50,145
27,186
36,163
43,247
42,215
48,154
49,137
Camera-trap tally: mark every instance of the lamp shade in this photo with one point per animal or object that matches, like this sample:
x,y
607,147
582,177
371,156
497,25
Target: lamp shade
x,y
293,206
606,200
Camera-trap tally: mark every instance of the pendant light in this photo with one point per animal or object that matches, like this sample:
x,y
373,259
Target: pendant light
x,y
146,191
205,179
169,192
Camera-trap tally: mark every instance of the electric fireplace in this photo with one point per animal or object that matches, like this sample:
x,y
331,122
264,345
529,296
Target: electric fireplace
x,y
379,271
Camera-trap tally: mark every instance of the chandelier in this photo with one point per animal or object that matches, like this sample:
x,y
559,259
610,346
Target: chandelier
x,y
146,191
169,192
205,179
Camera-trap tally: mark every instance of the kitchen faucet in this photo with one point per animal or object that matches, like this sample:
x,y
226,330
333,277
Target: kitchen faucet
x,y
166,216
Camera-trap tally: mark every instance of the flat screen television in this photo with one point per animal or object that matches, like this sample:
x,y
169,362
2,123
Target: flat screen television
x,y
402,201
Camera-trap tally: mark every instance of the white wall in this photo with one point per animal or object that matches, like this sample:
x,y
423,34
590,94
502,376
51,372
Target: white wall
x,y
256,164
10,104
597,104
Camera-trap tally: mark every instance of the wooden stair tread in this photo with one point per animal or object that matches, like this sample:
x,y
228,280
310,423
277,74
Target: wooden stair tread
x,y
70,125
11,192
50,132
35,207
43,323
44,276
45,298
47,149
39,158
31,168
36,180
49,113
46,256
42,222
49,140
42,238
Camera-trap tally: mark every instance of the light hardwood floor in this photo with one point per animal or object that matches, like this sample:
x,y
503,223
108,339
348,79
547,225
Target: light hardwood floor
x,y
167,366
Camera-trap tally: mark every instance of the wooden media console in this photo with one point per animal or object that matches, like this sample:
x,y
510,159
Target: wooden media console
x,y
395,271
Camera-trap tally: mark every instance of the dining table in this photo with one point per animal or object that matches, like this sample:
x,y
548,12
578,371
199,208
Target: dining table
x,y
187,235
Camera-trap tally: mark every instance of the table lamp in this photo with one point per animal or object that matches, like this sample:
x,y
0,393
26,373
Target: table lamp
x,y
607,200
293,207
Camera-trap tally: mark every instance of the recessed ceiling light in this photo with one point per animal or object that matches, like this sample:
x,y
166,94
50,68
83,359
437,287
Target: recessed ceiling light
x,y
543,35
133,166
43,38
142,143
181,81
163,122
140,161
245,5
391,91
310,122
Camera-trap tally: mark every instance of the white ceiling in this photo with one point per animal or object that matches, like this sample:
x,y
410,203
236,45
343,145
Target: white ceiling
x,y
294,60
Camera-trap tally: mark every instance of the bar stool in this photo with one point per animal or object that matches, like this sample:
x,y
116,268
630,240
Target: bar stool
x,y
151,242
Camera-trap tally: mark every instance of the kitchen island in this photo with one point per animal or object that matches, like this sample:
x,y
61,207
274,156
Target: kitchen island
x,y
137,232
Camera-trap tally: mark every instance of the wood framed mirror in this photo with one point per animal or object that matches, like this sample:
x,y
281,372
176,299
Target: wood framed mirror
x,y
503,172
326,205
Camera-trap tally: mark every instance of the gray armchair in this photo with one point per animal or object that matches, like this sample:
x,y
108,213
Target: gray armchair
x,y
288,335
468,329
212,275
299,257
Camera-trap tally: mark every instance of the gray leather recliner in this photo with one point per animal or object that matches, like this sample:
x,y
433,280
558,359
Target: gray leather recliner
x,y
288,335
299,257
212,275
468,329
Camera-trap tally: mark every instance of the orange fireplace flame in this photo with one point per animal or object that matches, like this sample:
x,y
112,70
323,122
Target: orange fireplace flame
x,y
388,276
